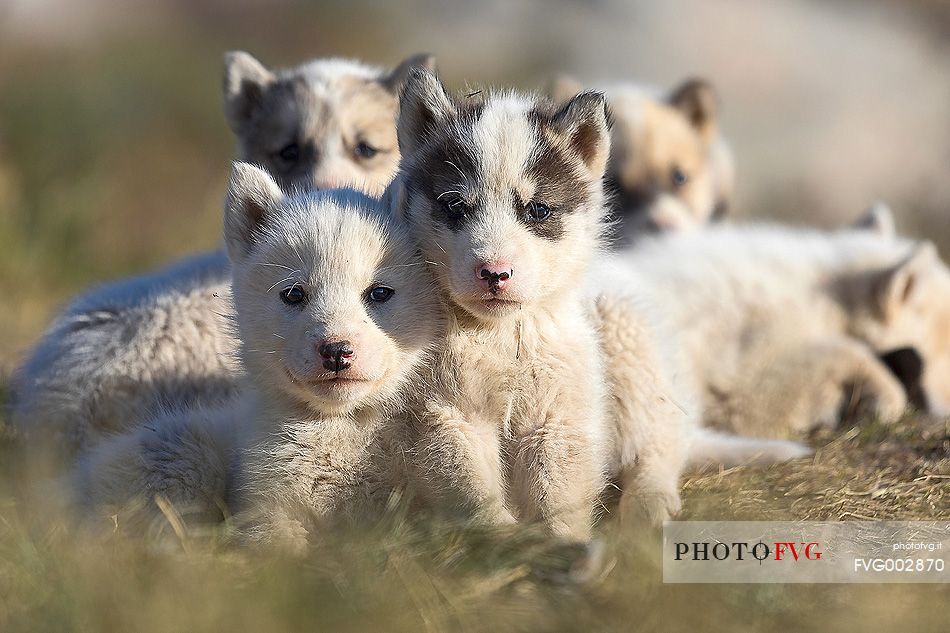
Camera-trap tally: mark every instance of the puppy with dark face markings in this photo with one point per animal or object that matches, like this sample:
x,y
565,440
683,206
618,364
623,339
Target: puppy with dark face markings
x,y
556,376
504,195
120,349
336,314
670,169
324,124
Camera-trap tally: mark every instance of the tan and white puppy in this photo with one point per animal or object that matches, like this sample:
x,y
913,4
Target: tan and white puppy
x,y
324,124
670,168
128,346
788,329
336,314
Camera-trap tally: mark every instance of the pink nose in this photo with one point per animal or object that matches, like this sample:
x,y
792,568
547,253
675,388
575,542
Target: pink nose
x,y
494,276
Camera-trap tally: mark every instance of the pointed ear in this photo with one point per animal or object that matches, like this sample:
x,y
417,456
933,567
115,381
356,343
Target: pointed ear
x,y
584,123
395,80
697,100
394,199
251,203
900,284
245,80
878,218
422,104
563,88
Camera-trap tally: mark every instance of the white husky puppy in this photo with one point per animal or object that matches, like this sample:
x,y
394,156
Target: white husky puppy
x,y
336,313
120,349
788,329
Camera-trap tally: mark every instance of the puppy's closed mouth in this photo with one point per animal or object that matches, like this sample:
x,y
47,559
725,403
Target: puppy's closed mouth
x,y
340,379
325,380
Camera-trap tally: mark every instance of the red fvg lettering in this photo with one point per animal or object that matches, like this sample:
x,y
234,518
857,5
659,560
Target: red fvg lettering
x,y
809,550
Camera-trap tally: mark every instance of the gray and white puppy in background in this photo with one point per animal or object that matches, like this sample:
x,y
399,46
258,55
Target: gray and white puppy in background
x,y
125,347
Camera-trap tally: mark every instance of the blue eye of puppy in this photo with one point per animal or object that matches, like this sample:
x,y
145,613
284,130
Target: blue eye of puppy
x,y
537,212
293,295
290,153
455,207
365,150
380,294
679,177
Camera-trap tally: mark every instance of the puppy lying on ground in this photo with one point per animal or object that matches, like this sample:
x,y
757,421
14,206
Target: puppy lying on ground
x,y
336,314
670,168
787,328
120,349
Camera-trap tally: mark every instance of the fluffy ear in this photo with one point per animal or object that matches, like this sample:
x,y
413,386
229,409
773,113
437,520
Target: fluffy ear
x,y
878,218
697,100
251,203
422,104
395,80
245,80
897,286
584,123
563,88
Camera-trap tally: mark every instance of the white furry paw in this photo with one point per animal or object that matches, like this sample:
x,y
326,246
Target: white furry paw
x,y
654,506
889,404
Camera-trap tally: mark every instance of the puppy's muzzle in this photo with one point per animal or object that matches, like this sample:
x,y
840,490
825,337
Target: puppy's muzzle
x,y
336,355
494,277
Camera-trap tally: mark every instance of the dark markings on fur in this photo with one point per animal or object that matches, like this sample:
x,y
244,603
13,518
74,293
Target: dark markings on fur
x,y
282,101
625,201
720,211
559,179
447,164
448,160
907,365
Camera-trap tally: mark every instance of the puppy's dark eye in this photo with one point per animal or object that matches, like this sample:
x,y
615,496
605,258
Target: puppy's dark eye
x,y
365,151
380,294
293,295
537,212
454,207
289,154
678,177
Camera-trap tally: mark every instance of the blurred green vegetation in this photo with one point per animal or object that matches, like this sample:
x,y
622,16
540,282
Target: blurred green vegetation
x,y
114,153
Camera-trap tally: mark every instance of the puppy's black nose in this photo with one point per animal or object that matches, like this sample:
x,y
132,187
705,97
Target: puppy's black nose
x,y
335,355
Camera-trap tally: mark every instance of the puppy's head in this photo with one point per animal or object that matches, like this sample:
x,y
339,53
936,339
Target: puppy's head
x,y
325,124
903,304
504,192
334,307
668,169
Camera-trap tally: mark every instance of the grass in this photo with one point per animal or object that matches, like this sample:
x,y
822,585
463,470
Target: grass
x,y
413,573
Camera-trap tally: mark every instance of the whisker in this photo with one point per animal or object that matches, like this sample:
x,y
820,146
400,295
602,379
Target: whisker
x,y
448,162
277,266
277,283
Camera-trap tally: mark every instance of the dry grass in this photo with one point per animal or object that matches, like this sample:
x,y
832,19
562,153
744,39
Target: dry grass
x,y
414,573
873,471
